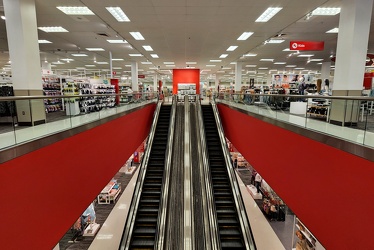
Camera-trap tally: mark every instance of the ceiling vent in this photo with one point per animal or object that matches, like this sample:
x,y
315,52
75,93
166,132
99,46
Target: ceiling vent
x,y
103,34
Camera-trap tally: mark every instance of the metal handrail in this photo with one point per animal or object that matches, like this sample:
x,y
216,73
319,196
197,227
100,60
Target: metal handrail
x,y
160,237
354,98
127,232
211,230
246,229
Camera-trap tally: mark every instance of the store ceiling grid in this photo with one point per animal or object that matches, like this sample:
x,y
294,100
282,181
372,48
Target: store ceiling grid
x,y
182,31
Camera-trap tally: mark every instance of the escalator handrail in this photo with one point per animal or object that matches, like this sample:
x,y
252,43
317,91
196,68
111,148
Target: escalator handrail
x,y
242,215
210,219
161,222
127,232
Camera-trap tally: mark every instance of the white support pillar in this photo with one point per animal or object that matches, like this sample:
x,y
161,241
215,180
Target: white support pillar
x,y
134,76
23,46
216,83
111,64
353,37
238,76
155,87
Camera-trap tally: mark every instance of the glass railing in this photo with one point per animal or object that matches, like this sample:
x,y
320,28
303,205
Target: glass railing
x,y
348,118
26,118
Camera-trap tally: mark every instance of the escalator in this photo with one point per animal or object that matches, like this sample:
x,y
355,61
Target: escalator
x,y
145,226
229,228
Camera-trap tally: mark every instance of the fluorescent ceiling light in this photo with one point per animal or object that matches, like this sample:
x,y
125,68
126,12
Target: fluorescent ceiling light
x,y
116,41
232,48
58,62
153,68
316,60
275,41
146,63
118,14
95,49
191,62
210,65
280,63
305,55
326,11
117,59
137,35
169,63
223,55
251,66
147,48
53,29
334,30
154,56
250,54
135,55
245,36
79,54
266,60
75,10
268,14
116,67
215,60
67,59
102,62
81,68
291,66
299,68
128,65
44,41
90,65
263,68
226,68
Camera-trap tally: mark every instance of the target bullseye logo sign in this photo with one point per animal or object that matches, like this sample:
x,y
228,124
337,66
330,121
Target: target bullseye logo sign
x,y
307,45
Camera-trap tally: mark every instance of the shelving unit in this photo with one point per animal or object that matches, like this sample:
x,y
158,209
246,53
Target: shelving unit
x,y
109,193
71,104
311,242
319,110
123,90
52,87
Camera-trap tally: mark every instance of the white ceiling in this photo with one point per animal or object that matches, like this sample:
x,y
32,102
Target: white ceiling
x,y
183,31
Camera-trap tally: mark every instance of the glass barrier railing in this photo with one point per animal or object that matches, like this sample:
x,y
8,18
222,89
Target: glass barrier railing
x,y
348,118
22,118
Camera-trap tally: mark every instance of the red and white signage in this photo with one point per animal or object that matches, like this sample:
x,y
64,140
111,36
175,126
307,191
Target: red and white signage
x,y
307,45
141,76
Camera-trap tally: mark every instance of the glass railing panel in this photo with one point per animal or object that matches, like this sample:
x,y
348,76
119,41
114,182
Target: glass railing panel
x,y
8,118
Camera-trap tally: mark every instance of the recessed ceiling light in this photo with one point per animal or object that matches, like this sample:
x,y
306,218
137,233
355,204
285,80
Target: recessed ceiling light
x,y
53,29
58,62
326,11
263,68
319,63
118,14
168,62
280,63
147,48
268,14
135,55
316,60
116,67
95,49
170,65
67,59
266,60
80,68
117,59
245,36
210,65
153,68
226,68
79,54
154,56
44,41
90,65
215,60
137,35
146,63
232,48
250,54
291,66
75,10
305,55
102,62
334,30
191,62
223,55
116,41
274,41
300,68
251,66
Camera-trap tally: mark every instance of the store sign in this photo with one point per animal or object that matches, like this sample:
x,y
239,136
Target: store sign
x,y
114,73
307,45
141,76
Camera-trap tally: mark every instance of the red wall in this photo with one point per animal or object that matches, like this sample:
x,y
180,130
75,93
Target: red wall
x,y
330,190
44,192
186,76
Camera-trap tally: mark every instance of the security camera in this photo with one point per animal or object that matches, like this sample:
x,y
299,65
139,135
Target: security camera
x,y
158,67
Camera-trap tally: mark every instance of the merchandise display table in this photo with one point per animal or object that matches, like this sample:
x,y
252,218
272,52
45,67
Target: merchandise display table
x,y
109,193
130,170
253,192
91,230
